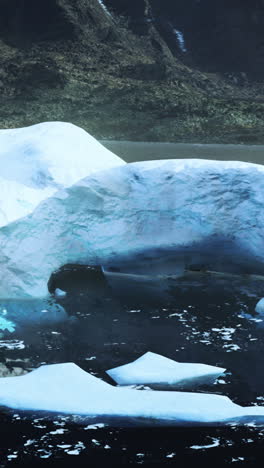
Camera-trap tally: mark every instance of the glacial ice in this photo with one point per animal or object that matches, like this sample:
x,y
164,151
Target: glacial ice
x,y
153,216
155,370
36,161
68,389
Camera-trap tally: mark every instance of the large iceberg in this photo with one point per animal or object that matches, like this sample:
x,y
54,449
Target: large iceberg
x,y
153,216
155,370
36,161
67,388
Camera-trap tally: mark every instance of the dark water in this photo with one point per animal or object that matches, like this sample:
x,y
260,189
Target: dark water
x,y
203,317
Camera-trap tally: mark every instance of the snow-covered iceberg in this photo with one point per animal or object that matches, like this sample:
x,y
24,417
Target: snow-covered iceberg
x,y
67,388
153,216
36,161
156,370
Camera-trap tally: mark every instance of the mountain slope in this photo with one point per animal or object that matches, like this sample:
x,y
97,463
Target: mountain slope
x,y
117,77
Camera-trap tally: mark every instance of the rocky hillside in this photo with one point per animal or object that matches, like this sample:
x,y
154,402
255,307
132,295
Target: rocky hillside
x,y
143,70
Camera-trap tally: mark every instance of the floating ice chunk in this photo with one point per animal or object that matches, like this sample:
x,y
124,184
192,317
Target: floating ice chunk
x,y
215,443
60,293
67,388
155,370
36,161
260,306
12,344
7,325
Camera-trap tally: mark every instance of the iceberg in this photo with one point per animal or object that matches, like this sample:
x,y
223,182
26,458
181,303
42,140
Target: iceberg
x,y
158,371
66,388
38,160
156,216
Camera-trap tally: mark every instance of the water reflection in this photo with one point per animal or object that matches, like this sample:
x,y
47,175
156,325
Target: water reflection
x,y
132,151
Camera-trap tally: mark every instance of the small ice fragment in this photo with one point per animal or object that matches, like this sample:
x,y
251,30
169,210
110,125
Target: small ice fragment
x,y
231,347
260,306
12,344
60,293
94,426
7,325
95,442
58,431
74,452
154,369
215,443
29,442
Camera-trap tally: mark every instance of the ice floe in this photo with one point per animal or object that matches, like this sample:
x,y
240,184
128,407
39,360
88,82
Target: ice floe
x,y
38,160
155,370
152,216
68,389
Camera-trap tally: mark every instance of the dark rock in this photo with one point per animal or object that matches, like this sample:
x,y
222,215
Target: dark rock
x,y
24,21
220,36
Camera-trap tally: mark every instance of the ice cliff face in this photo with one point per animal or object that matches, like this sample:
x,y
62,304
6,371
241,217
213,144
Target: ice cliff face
x,y
186,214
36,161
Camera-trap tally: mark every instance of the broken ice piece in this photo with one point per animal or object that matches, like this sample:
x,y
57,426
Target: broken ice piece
x,y
60,293
67,388
156,370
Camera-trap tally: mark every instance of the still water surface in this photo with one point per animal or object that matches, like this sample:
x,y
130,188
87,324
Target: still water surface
x,y
110,321
137,151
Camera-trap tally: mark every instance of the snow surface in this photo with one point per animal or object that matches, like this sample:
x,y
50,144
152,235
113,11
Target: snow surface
x,y
155,216
36,161
153,369
67,388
